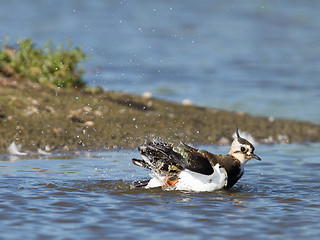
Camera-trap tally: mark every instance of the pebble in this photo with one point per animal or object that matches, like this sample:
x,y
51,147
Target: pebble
x,y
34,102
187,102
150,104
89,123
147,94
98,113
87,109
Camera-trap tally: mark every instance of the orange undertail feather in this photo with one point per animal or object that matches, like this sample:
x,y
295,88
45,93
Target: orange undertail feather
x,y
170,181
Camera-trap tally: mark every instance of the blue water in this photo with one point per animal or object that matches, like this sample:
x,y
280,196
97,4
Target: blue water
x,y
88,197
261,57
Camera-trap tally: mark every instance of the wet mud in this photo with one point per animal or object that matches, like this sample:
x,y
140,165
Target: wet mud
x,y
45,117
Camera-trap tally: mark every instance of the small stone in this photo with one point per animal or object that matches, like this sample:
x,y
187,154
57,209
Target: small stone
x,y
187,102
150,104
98,113
34,102
241,114
89,123
271,119
147,94
31,110
87,109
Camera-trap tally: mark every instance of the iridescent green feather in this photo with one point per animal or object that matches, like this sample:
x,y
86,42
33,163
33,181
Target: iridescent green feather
x,y
194,159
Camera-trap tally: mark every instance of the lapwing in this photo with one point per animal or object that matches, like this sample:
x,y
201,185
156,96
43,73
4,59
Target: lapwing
x,y
186,168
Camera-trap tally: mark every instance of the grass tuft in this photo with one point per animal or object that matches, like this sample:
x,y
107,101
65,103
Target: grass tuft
x,y
46,65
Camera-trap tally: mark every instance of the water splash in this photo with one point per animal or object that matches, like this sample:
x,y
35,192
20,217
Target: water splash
x,y
15,150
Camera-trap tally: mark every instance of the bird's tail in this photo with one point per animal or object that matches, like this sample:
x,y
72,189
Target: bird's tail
x,y
155,156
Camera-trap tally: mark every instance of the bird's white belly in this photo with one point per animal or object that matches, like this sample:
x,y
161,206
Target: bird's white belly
x,y
192,181
155,181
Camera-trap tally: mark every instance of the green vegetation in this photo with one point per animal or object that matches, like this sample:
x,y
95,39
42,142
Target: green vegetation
x,y
44,65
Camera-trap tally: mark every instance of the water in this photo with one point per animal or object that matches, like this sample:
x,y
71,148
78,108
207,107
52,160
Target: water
x,y
87,197
261,57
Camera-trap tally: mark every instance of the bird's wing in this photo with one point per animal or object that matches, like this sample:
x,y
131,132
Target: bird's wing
x,y
159,157
163,157
193,159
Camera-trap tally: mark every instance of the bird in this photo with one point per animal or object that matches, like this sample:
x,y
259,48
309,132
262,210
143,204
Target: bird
x,y
187,168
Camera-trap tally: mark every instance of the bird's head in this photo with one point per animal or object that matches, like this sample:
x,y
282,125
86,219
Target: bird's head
x,y
242,149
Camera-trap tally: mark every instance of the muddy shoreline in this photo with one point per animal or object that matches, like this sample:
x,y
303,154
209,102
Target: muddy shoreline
x,y
37,116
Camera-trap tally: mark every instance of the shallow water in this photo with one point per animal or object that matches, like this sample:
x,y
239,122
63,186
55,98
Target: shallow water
x,y
261,57
89,196
257,57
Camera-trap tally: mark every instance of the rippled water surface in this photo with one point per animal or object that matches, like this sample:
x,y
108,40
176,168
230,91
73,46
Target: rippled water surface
x,y
260,57
89,196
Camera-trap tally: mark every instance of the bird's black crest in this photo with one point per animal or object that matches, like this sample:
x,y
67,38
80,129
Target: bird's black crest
x,y
243,141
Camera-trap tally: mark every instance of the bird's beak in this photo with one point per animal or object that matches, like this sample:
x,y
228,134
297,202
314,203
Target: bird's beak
x,y
255,156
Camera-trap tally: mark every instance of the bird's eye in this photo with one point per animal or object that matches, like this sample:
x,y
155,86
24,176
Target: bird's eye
x,y
243,149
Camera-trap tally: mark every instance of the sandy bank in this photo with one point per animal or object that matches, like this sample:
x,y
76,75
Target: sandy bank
x,y
36,116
